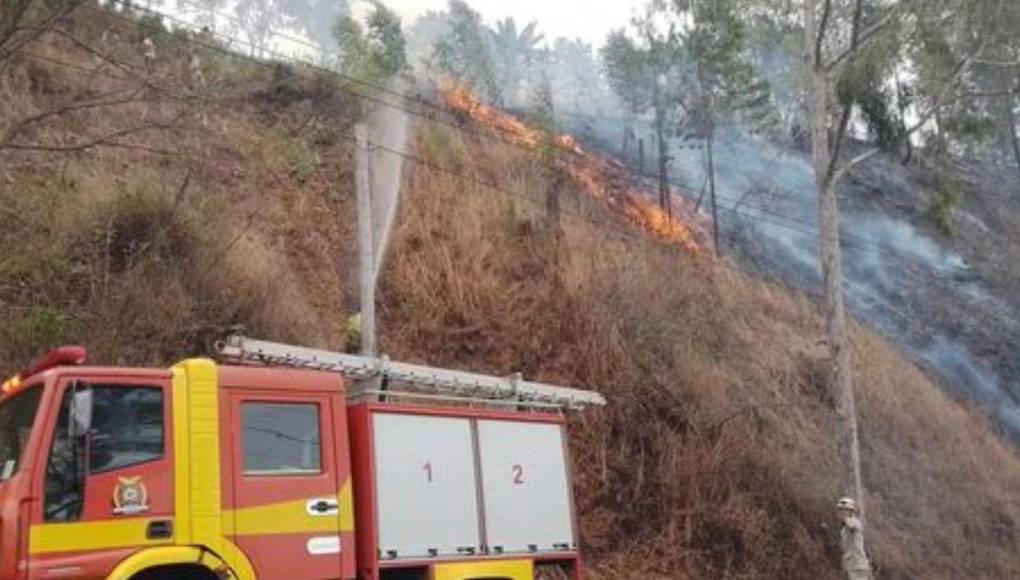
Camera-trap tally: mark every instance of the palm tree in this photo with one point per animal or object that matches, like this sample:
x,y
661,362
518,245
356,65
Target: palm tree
x,y
515,53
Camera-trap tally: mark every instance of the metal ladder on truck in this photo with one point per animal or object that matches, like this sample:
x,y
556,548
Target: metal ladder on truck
x,y
377,377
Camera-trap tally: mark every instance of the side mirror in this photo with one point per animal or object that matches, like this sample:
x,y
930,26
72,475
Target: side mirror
x,y
80,419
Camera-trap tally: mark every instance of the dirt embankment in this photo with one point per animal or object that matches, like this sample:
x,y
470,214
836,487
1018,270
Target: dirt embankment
x,y
713,459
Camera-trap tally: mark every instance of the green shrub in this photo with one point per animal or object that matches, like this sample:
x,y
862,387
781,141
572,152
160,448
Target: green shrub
x,y
37,330
302,161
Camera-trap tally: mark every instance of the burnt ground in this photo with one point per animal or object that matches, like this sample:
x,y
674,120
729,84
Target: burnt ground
x,y
943,285
975,302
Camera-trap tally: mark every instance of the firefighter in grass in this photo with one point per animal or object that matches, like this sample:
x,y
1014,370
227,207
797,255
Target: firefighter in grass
x,y
851,539
353,334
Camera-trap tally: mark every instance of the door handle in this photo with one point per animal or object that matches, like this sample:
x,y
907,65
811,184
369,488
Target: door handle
x,y
322,507
159,530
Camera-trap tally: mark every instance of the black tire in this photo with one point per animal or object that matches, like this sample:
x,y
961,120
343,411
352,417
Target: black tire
x,y
183,572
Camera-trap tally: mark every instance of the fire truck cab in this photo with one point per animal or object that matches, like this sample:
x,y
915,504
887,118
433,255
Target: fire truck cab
x,y
215,471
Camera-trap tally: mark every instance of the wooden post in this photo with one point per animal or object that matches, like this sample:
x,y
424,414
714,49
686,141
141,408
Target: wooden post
x,y
660,130
711,190
641,156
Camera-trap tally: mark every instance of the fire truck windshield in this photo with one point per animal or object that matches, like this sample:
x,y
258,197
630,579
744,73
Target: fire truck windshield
x,y
17,415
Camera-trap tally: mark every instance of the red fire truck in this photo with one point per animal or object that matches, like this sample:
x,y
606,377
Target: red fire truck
x,y
287,463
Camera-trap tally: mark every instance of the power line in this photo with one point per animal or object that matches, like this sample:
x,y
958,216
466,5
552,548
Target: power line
x,y
406,156
859,289
627,234
623,233
782,219
332,72
801,227
850,285
443,110
777,219
419,100
806,228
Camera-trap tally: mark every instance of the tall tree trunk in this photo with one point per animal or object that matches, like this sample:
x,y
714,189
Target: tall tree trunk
x,y
823,148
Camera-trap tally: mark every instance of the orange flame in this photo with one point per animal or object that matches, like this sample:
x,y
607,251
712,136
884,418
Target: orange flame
x,y
461,99
598,176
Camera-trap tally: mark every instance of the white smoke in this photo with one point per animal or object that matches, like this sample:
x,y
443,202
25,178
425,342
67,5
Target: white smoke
x,y
388,131
897,276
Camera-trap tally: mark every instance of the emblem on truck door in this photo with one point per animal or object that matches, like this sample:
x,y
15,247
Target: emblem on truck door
x,y
130,496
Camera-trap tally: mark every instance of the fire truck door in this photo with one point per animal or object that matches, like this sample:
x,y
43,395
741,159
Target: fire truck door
x,y
110,492
286,496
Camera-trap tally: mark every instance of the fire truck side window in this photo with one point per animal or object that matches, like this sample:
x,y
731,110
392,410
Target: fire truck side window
x,y
281,438
127,429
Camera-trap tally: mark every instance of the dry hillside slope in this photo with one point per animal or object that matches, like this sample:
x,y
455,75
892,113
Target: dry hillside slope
x,y
232,204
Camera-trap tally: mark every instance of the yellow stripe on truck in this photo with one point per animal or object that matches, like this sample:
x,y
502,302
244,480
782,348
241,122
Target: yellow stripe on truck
x,y
291,517
87,536
509,569
197,494
197,450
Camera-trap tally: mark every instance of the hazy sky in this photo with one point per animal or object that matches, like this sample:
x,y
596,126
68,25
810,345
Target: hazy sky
x,y
590,20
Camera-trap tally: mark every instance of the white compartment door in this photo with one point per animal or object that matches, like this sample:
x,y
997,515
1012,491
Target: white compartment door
x,y
525,487
425,485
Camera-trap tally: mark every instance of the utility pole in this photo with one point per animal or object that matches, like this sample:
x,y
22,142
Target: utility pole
x,y
366,261
660,135
664,194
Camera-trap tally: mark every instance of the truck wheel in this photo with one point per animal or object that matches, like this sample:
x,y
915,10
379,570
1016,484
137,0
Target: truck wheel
x,y
183,572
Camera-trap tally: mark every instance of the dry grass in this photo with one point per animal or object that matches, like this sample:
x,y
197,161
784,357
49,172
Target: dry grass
x,y
713,459
222,214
